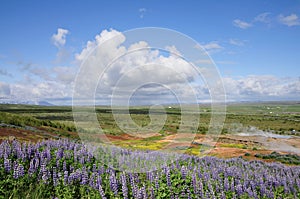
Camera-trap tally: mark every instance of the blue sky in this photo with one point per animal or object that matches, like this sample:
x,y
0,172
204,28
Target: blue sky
x,y
250,41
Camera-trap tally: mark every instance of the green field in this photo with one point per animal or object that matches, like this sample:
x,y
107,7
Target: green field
x,y
33,123
281,117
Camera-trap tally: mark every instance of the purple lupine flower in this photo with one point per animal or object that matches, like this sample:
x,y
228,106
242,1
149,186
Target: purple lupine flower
x,y
29,150
168,176
189,194
223,196
139,194
82,160
54,177
226,184
201,191
124,186
16,171
94,168
133,186
36,163
64,166
262,190
21,170
102,194
59,175
143,192
232,185
48,154
7,165
31,169
113,183
210,187
156,183
98,181
194,182
84,177
66,177
59,154
239,189
150,176
72,178
183,172
45,176
57,164
152,195
92,180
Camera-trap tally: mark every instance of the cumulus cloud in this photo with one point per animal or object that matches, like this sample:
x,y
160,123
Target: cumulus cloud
x,y
263,87
137,66
263,17
290,20
241,24
64,74
114,69
173,49
59,39
40,90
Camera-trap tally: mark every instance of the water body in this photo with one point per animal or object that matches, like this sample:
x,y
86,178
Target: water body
x,y
265,134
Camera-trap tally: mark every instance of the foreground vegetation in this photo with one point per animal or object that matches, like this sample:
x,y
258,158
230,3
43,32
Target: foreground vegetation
x,y
66,169
283,158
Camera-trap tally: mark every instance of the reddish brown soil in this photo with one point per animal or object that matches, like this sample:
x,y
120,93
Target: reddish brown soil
x,y
27,135
172,140
122,137
19,134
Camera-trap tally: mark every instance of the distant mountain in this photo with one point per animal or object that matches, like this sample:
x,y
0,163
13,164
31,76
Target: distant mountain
x,y
30,102
45,103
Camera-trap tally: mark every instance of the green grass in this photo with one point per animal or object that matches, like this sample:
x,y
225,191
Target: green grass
x,y
233,145
284,118
293,159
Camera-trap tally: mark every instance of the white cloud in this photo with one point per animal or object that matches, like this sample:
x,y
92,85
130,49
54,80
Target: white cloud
x,y
263,17
264,87
40,90
59,39
62,56
241,24
236,42
65,75
140,65
142,12
41,72
212,46
290,20
4,90
99,39
173,49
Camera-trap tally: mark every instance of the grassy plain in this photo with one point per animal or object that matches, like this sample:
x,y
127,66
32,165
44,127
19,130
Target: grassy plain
x,y
32,123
